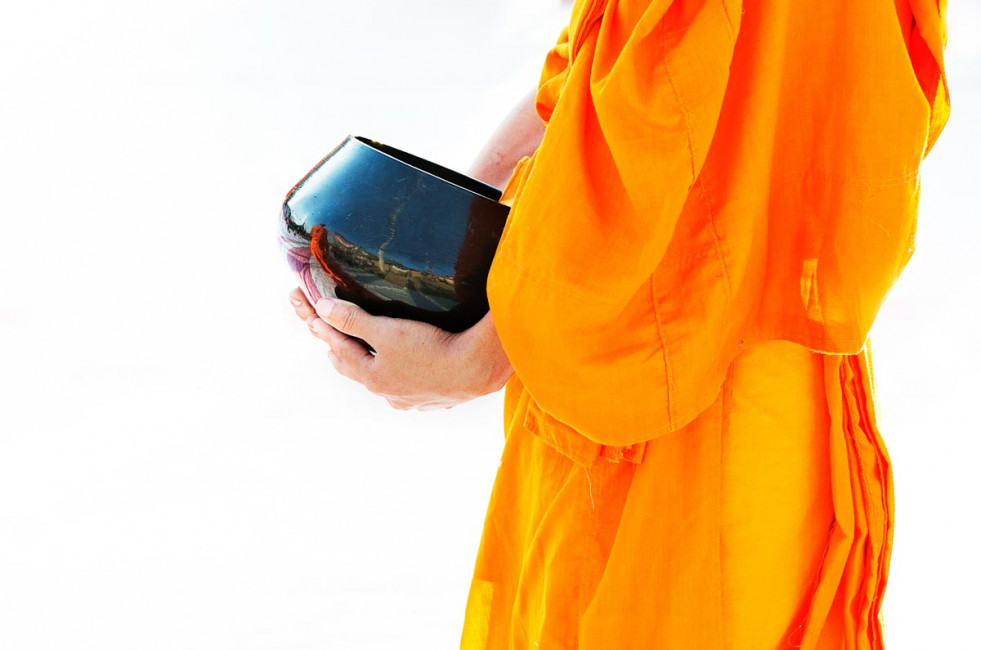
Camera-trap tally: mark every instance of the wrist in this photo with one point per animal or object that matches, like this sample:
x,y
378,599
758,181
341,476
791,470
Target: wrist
x,y
485,362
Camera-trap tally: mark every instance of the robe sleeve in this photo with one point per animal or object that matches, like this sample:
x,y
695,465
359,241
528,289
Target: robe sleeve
x,y
691,196
635,110
554,75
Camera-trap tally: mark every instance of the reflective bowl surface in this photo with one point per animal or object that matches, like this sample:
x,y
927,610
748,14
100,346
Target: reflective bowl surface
x,y
394,233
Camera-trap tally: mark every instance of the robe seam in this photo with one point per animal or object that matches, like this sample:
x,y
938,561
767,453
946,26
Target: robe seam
x,y
795,638
892,181
813,343
681,106
668,377
590,546
729,24
727,388
715,236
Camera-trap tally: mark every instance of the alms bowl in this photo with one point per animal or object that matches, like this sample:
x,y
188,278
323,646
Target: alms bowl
x,y
395,234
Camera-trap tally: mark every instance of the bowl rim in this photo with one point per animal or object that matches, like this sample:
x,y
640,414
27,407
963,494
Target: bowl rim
x,y
430,168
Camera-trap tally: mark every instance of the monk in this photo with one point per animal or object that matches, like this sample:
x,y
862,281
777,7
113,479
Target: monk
x,y
709,201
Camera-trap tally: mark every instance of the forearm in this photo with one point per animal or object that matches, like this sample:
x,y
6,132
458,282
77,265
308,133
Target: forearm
x,y
518,135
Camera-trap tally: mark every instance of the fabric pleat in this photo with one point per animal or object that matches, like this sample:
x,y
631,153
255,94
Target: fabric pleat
x,y
764,523
846,605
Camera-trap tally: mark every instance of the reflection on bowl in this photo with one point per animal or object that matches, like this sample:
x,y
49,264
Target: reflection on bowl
x,y
393,233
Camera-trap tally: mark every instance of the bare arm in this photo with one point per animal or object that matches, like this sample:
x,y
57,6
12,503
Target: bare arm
x,y
518,135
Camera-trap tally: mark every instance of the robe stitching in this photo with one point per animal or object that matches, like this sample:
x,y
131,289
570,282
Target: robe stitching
x,y
590,549
854,180
589,480
681,106
715,236
795,638
729,25
669,384
727,387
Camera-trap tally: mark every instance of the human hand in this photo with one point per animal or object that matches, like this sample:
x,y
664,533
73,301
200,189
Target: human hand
x,y
414,365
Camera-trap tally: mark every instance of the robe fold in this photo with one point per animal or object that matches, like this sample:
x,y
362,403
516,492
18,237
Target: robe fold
x,y
725,192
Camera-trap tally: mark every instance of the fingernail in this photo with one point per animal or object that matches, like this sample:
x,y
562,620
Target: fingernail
x,y
319,327
323,307
296,301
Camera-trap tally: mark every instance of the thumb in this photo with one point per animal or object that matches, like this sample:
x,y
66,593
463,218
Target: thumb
x,y
346,317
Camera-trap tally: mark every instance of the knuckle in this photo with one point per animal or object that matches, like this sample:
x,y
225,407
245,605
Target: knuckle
x,y
345,317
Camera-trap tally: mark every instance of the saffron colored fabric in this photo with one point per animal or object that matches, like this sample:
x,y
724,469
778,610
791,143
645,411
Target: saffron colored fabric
x,y
764,523
725,192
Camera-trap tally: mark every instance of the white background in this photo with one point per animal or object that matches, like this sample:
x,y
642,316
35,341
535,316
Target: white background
x,y
179,466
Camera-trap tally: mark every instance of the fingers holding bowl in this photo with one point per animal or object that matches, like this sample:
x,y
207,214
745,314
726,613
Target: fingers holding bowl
x,y
301,305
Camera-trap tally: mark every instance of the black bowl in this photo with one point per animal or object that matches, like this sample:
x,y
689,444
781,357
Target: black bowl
x,y
395,234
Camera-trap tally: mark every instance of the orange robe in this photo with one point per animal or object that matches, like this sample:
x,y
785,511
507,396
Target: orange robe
x,y
724,194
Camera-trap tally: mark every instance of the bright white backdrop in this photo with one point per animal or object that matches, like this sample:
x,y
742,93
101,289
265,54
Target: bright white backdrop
x,y
180,468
